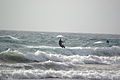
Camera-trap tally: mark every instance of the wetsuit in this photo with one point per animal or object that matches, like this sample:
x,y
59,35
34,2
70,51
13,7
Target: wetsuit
x,y
107,41
60,43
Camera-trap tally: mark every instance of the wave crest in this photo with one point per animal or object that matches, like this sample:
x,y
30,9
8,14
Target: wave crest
x,y
84,51
40,56
10,37
12,56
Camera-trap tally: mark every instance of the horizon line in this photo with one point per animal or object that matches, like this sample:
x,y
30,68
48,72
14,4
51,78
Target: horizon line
x,y
59,31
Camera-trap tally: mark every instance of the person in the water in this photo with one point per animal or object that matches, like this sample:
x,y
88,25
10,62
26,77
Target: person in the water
x,y
61,43
107,41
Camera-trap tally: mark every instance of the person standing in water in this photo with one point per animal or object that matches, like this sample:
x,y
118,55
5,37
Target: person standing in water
x,y
61,43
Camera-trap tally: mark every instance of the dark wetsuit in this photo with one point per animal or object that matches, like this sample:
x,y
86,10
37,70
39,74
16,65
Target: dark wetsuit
x,y
107,41
60,43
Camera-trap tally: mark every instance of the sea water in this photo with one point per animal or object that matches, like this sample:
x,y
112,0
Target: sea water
x,y
37,55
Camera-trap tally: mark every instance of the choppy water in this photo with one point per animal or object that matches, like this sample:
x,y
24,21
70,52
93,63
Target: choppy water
x,y
28,55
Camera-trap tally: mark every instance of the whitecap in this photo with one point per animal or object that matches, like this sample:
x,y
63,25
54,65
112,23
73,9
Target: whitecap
x,y
98,42
9,36
71,74
42,56
75,59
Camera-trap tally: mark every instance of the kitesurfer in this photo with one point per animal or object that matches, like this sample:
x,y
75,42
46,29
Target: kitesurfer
x,y
61,43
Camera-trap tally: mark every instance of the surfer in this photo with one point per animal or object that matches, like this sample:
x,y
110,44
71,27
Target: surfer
x,y
61,43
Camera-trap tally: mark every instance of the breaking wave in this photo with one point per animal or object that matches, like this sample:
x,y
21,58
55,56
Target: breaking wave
x,y
71,74
40,56
39,65
84,51
12,56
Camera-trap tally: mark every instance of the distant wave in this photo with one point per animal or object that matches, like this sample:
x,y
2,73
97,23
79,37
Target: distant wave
x,y
50,47
40,56
84,51
10,37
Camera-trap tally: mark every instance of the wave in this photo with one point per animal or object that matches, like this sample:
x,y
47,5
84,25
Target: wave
x,y
40,56
10,37
83,51
45,47
12,56
53,65
38,65
71,74
75,59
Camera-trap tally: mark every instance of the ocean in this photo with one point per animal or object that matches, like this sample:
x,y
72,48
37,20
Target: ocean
x,y
37,55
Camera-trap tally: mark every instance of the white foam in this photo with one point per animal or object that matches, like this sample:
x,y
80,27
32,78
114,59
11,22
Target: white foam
x,y
60,65
42,56
98,42
45,47
71,74
11,37
14,38
54,47
84,51
9,51
75,59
